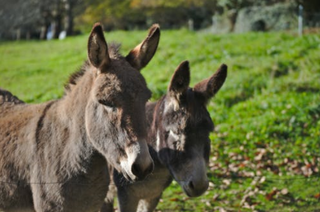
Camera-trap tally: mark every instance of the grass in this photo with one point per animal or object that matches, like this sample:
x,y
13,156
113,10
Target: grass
x,y
266,145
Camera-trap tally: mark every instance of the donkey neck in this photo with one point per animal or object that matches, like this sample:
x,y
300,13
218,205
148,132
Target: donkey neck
x,y
77,95
67,117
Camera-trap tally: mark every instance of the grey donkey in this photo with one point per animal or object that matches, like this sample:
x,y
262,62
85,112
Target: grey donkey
x,y
53,155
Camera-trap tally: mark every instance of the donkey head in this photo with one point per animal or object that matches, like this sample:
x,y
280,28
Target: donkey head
x,y
115,114
183,125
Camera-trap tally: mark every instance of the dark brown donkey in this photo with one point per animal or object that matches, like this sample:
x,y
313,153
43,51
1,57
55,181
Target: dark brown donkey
x,y
53,155
178,138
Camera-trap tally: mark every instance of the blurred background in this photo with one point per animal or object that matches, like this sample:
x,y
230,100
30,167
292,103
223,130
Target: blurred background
x,y
47,19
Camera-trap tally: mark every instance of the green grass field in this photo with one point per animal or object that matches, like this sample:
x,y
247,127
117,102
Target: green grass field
x,y
266,145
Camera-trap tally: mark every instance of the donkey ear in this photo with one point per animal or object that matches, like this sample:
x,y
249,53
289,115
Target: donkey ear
x,y
209,87
97,47
180,80
140,56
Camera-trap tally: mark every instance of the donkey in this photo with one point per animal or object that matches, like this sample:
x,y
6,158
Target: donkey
x,y
53,156
178,128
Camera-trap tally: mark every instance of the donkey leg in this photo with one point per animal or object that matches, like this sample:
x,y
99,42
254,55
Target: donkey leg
x,y
38,202
148,205
127,201
46,198
108,201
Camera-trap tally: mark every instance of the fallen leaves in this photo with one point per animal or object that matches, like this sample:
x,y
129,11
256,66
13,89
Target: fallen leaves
x,y
270,195
317,196
268,163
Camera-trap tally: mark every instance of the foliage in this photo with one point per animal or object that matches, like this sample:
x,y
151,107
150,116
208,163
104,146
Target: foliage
x,y
163,3
265,148
129,14
34,17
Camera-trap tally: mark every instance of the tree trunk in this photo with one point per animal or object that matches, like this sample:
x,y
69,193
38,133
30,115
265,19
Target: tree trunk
x,y
57,29
18,34
69,18
57,21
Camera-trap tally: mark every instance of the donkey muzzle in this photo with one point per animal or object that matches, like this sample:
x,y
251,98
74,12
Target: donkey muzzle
x,y
195,187
195,177
140,163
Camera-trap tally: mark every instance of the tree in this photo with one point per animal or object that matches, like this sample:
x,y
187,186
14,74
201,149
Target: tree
x,y
113,14
19,18
174,14
33,18
72,9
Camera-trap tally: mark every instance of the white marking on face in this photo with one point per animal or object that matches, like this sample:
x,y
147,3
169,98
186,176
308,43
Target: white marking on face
x,y
108,109
125,169
158,141
126,164
174,135
172,103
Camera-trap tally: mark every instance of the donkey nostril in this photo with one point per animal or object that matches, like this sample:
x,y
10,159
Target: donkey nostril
x,y
191,186
135,169
139,172
149,169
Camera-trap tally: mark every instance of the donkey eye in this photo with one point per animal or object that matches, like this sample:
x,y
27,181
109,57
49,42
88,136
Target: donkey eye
x,y
108,105
110,109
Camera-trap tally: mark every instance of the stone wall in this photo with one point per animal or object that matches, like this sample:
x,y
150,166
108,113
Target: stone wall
x,y
280,16
266,18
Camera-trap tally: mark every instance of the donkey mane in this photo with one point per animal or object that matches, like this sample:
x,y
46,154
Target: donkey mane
x,y
113,50
8,98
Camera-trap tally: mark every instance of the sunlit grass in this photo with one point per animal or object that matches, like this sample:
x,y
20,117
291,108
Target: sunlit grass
x,y
269,102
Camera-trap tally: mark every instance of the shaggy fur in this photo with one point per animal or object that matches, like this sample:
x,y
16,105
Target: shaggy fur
x,y
53,155
178,137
